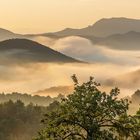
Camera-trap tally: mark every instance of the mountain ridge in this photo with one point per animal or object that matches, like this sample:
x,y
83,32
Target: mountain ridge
x,y
116,33
103,27
24,49
92,29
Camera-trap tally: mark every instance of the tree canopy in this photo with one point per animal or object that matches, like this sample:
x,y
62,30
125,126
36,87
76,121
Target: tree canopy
x,y
90,114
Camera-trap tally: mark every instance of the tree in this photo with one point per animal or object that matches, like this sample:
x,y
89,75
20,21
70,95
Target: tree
x,y
89,114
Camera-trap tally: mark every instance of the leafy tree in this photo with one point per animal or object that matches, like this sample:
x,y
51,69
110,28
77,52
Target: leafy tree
x,y
89,114
137,125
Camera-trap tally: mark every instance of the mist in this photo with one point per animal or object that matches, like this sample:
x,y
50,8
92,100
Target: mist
x,y
32,77
83,49
112,68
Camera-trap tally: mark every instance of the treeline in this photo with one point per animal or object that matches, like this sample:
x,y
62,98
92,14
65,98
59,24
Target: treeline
x,y
45,101
27,99
20,122
21,115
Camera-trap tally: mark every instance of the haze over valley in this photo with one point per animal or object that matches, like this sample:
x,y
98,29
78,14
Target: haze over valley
x,y
108,50
69,70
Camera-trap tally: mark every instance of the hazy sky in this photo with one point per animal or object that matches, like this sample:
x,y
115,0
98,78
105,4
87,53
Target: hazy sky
x,y
36,16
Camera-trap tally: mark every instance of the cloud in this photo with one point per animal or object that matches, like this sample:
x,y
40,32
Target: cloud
x,y
128,80
106,66
32,77
44,40
83,49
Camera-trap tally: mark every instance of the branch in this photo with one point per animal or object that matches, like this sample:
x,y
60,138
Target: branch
x,y
74,123
74,134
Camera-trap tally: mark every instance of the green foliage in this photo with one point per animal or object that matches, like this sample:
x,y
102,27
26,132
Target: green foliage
x,y
19,122
20,116
90,114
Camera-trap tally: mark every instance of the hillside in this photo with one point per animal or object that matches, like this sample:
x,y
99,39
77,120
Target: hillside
x,y
109,26
6,34
55,91
126,41
30,51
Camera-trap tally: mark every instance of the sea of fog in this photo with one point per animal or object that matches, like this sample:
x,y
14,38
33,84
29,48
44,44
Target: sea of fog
x,y
112,68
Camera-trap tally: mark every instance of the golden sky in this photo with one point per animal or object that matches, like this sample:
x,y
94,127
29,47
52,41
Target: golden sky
x,y
36,16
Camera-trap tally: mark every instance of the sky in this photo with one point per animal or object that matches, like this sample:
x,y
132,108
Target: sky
x,y
39,16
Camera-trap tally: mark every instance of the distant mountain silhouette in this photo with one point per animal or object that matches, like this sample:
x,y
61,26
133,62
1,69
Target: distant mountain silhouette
x,y
5,34
106,27
102,28
116,33
30,51
126,41
72,32
55,91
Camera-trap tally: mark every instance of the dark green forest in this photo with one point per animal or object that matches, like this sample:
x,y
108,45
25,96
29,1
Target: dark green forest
x,y
20,115
87,114
20,122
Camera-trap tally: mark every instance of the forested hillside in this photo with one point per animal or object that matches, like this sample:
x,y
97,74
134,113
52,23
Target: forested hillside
x,y
20,122
27,98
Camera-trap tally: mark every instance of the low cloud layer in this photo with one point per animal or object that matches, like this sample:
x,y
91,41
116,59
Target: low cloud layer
x,y
83,49
109,67
33,77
